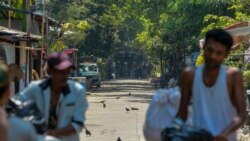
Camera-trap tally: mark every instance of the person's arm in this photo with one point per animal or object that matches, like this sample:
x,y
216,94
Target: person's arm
x,y
36,76
239,103
65,131
186,90
27,131
78,119
27,93
3,126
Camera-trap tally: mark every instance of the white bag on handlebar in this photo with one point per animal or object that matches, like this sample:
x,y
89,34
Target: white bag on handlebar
x,y
161,112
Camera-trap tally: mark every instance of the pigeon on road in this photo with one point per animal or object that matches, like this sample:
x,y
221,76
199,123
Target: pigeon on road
x,y
87,132
103,101
127,109
129,94
119,139
133,108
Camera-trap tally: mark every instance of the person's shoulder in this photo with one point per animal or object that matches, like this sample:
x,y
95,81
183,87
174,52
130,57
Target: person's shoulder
x,y
33,85
189,71
75,85
72,82
233,71
188,75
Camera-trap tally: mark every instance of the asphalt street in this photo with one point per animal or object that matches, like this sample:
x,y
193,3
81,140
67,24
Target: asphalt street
x,y
109,120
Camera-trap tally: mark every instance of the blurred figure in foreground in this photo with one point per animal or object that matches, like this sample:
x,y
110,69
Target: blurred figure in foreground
x,y
217,90
12,128
62,101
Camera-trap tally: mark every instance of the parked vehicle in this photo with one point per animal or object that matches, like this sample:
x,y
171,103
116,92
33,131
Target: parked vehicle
x,y
91,71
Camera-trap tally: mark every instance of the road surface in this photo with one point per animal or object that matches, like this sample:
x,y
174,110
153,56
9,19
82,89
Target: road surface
x,y
113,121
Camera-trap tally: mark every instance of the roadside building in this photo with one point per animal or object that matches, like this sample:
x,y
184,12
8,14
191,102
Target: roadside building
x,y
20,42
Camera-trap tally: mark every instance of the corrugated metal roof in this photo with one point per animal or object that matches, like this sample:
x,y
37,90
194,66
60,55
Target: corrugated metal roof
x,y
241,31
18,34
237,25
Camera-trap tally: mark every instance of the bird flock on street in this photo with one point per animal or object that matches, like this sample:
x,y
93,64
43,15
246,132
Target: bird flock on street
x,y
88,133
126,108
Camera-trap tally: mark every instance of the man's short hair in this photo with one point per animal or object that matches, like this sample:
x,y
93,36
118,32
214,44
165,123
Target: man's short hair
x,y
221,36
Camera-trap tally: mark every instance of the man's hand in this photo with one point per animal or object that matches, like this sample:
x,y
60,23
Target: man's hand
x,y
52,133
220,138
66,131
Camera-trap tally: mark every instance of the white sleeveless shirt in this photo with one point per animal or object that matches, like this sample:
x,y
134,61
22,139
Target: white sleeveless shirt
x,y
212,107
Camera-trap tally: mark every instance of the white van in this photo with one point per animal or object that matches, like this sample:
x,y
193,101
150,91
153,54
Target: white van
x,y
90,71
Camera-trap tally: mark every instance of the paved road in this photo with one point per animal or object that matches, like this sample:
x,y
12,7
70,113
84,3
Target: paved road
x,y
107,124
111,122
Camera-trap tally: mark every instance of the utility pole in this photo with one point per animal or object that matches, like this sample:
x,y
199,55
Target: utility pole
x,y
28,17
42,46
9,15
43,22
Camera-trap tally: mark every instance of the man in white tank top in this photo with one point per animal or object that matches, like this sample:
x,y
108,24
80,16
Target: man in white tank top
x,y
217,90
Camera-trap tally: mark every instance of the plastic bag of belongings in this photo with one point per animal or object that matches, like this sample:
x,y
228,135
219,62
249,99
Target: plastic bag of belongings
x,y
161,112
